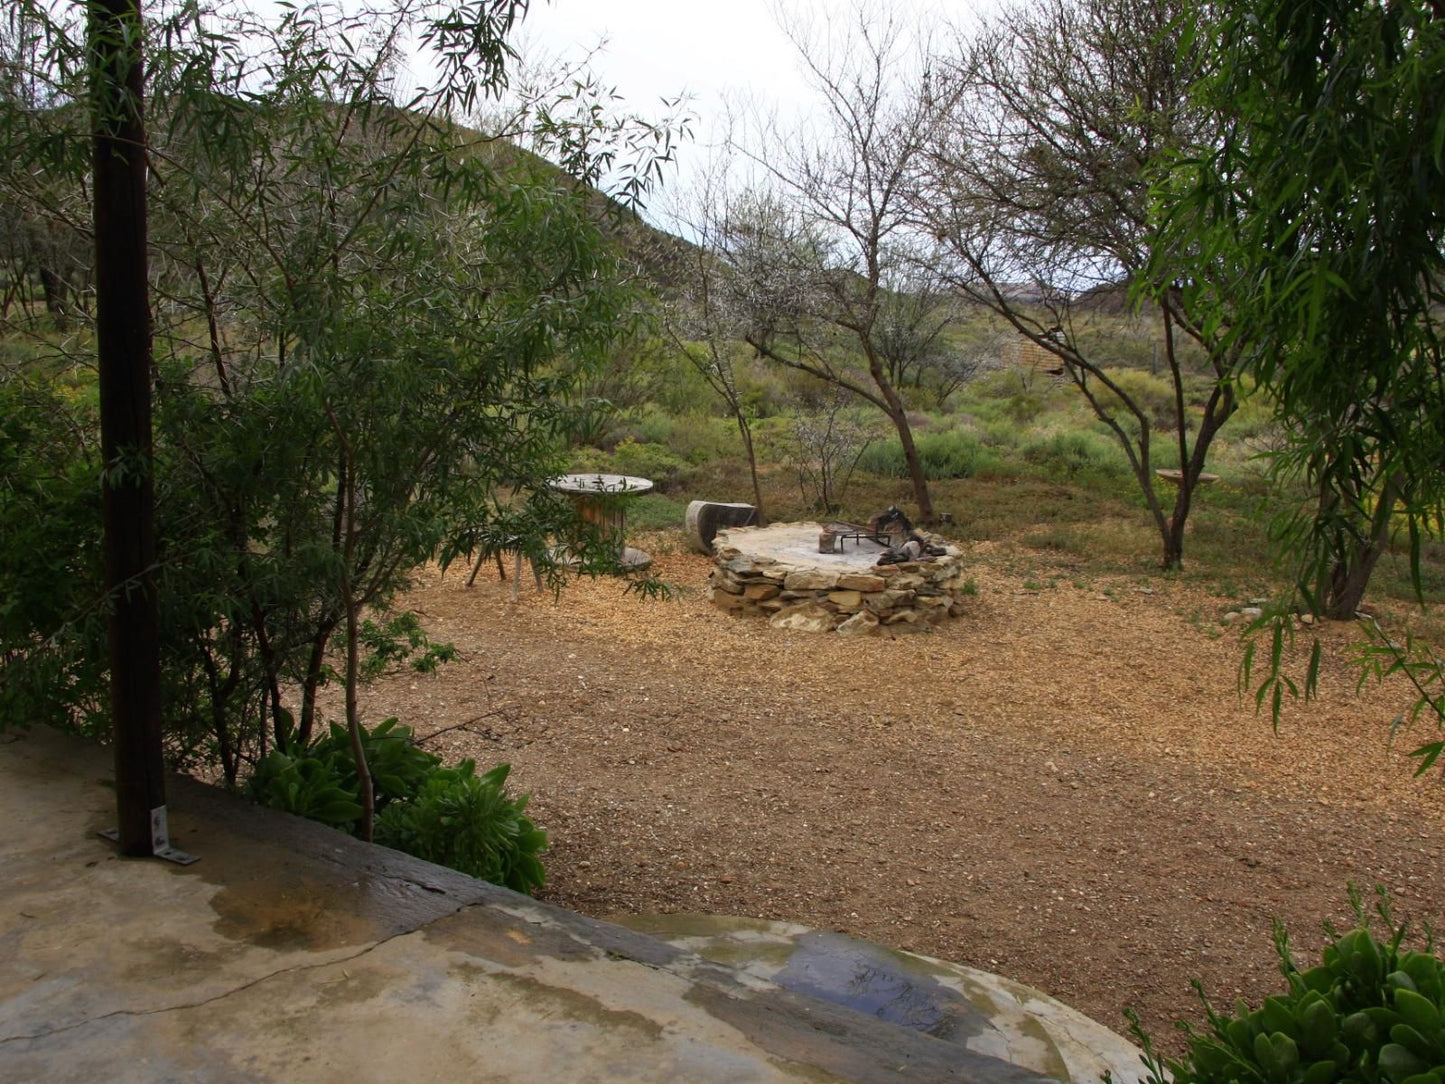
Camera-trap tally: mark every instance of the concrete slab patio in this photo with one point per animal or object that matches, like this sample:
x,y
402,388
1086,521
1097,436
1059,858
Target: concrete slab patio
x,y
293,952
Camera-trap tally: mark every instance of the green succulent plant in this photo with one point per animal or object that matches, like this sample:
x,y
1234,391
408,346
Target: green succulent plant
x,y
1372,1011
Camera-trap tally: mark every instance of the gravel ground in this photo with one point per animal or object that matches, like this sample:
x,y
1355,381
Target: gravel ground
x,y
1062,785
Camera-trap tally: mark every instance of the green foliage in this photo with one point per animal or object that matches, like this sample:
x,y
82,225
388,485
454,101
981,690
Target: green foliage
x,y
450,816
655,512
1420,664
52,635
466,821
652,461
398,767
378,329
953,454
1001,434
764,390
1314,230
307,785
1372,1011
1074,454
1152,394
401,639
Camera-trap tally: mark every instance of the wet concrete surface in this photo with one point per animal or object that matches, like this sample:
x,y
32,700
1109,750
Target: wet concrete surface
x,y
973,1009
293,952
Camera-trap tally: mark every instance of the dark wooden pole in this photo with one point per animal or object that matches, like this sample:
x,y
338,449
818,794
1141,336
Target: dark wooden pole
x,y
124,349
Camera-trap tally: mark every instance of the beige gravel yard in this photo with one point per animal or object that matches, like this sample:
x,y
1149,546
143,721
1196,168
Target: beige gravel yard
x,y
1062,785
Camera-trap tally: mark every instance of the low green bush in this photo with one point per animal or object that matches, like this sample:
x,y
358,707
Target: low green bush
x,y
653,426
951,454
1372,1012
399,768
451,816
308,786
704,438
1154,395
651,461
466,821
1003,383
1074,453
1001,433
1025,406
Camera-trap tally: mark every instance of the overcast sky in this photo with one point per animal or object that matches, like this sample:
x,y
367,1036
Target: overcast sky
x,y
708,49
661,48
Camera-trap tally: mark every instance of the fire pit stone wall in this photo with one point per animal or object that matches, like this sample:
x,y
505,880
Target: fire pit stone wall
x,y
766,571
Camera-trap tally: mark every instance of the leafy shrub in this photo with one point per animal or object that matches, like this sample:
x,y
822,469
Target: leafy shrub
x,y
1371,1012
764,391
651,461
1074,453
1025,406
953,454
466,821
1000,434
52,633
450,816
399,768
1002,383
401,639
308,786
705,438
1152,394
652,425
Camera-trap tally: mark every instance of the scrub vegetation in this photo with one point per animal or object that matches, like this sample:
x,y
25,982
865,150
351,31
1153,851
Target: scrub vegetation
x,y
1152,288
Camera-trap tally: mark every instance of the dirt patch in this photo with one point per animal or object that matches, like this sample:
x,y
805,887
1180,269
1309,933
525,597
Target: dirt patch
x,y
1062,785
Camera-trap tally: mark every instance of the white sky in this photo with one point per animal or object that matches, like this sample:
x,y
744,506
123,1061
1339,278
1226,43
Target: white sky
x,y
661,48
709,49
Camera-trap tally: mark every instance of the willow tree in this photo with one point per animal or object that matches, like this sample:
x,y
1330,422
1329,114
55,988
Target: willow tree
x,y
367,319
1314,226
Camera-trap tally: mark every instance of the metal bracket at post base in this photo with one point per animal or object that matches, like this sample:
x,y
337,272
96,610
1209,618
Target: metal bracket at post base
x,y
160,839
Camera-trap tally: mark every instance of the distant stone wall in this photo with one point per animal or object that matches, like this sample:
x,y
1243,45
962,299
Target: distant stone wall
x,y
909,597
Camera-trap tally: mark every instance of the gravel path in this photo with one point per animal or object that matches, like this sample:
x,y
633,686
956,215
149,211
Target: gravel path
x,y
1062,785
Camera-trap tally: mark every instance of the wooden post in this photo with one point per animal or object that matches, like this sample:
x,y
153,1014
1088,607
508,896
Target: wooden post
x,y
124,349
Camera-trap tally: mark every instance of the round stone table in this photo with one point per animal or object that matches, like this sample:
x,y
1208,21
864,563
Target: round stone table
x,y
602,499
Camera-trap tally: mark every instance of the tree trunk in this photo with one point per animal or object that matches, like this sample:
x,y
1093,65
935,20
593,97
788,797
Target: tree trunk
x,y
312,681
1344,589
353,633
56,292
353,722
915,467
1173,537
1188,473
898,415
124,350
746,432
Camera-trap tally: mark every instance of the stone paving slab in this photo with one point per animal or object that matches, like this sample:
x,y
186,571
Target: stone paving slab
x,y
293,952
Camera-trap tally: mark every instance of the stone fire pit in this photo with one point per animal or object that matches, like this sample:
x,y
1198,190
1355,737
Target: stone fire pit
x,y
777,572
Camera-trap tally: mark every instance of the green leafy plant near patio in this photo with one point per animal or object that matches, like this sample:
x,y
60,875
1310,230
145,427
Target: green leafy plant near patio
x,y
451,816
1372,1011
466,821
